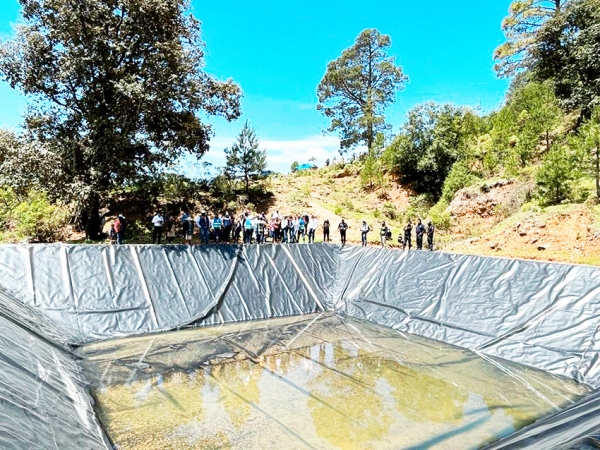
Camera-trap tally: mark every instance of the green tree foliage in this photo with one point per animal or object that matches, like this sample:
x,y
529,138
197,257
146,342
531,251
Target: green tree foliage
x,y
120,85
567,53
526,125
357,87
245,161
520,27
587,144
295,165
433,138
28,164
556,174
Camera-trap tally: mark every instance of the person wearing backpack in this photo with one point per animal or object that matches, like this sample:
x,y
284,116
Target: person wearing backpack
x,y
364,230
384,234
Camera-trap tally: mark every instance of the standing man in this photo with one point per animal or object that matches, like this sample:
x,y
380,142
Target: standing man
x,y
301,229
383,234
284,229
343,227
312,229
430,231
203,224
294,227
217,225
419,231
364,230
326,226
407,235
158,221
260,228
227,226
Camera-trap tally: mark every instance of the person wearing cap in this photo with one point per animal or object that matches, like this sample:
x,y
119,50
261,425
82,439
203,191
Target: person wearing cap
x,y
364,230
158,221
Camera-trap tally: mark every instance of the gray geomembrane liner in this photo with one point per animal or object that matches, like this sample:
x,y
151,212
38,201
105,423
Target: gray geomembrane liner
x,y
541,315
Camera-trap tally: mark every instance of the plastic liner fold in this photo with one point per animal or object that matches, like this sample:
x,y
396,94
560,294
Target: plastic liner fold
x,y
44,402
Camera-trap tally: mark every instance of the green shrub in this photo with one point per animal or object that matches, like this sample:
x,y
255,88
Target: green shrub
x,y
390,211
440,216
37,218
460,177
377,214
338,210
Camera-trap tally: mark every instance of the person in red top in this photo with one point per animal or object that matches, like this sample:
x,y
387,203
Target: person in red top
x,y
119,227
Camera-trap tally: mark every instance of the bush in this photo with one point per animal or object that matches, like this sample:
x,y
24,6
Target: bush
x,y
37,218
459,177
440,216
390,211
338,210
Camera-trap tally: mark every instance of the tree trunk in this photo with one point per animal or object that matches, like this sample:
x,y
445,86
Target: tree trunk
x,y
92,230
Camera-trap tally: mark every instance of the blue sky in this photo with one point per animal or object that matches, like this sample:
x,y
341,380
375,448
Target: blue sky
x,y
278,52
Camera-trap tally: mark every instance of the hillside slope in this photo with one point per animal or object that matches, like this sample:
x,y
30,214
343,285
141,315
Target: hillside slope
x,y
491,218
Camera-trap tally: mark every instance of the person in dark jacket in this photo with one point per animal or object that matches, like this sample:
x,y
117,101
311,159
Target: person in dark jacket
x,y
227,222
326,230
407,235
343,227
430,232
420,232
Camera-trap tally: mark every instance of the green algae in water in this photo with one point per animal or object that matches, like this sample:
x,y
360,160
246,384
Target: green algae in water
x,y
318,381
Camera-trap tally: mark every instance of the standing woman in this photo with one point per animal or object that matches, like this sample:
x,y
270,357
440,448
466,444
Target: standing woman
x,y
326,226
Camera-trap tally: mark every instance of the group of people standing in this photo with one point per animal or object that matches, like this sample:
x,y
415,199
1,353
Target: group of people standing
x,y
405,240
257,228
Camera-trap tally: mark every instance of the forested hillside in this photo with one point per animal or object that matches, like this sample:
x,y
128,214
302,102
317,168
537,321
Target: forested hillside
x,y
522,180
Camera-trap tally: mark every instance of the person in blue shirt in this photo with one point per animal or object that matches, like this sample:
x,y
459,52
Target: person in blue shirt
x,y
302,229
227,226
217,225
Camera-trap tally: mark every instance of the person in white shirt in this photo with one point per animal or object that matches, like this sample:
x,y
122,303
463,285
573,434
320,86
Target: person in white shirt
x,y
312,228
364,230
158,221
